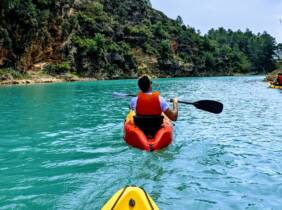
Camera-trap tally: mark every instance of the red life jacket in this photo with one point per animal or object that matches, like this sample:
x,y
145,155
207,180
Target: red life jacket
x,y
148,104
279,79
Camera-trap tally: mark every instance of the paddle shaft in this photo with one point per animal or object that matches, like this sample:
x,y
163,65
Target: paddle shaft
x,y
182,102
206,105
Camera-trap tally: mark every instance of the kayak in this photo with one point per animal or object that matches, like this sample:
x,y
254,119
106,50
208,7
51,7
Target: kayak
x,y
135,137
275,86
131,198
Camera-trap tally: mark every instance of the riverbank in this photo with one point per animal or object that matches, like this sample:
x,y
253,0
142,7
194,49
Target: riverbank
x,y
40,77
42,80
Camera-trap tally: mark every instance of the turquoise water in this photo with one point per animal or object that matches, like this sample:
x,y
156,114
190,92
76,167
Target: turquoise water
x,y
61,146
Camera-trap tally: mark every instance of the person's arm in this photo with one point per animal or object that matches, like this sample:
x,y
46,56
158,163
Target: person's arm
x,y
173,114
132,105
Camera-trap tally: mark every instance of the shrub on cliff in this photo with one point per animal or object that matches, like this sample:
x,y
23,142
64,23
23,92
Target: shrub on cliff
x,y
57,69
94,55
10,74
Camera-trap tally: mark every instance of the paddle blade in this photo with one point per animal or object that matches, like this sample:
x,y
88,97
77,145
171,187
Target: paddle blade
x,y
209,106
122,95
119,95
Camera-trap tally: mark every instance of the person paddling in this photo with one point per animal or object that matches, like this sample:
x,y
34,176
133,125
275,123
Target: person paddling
x,y
278,80
148,103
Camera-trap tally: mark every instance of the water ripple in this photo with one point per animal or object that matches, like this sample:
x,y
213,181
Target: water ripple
x,y
61,146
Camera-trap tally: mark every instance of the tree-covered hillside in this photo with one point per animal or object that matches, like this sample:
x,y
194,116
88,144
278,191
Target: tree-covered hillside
x,y
113,39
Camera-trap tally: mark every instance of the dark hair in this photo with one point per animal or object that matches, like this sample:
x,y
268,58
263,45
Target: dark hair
x,y
144,83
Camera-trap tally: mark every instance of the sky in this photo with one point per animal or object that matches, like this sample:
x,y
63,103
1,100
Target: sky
x,y
257,15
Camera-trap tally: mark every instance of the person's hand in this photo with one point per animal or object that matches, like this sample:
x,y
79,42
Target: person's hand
x,y
175,100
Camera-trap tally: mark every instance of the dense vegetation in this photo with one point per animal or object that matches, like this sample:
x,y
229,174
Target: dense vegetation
x,y
110,39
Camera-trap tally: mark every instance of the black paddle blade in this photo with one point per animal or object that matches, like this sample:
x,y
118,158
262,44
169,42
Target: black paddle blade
x,y
209,106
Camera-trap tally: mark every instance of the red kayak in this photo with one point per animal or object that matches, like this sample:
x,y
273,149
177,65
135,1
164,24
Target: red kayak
x,y
135,137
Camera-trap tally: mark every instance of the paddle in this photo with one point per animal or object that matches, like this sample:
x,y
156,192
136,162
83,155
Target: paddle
x,y
206,105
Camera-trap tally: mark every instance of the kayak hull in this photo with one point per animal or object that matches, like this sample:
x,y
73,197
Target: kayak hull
x,y
136,137
275,86
130,198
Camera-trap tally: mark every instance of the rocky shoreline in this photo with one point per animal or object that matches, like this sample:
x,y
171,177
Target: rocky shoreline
x,y
44,79
39,78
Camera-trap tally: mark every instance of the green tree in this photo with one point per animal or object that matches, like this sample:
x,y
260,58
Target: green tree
x,y
179,20
148,2
165,50
9,4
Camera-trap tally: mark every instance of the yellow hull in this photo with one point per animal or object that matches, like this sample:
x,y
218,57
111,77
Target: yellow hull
x,y
275,86
130,198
